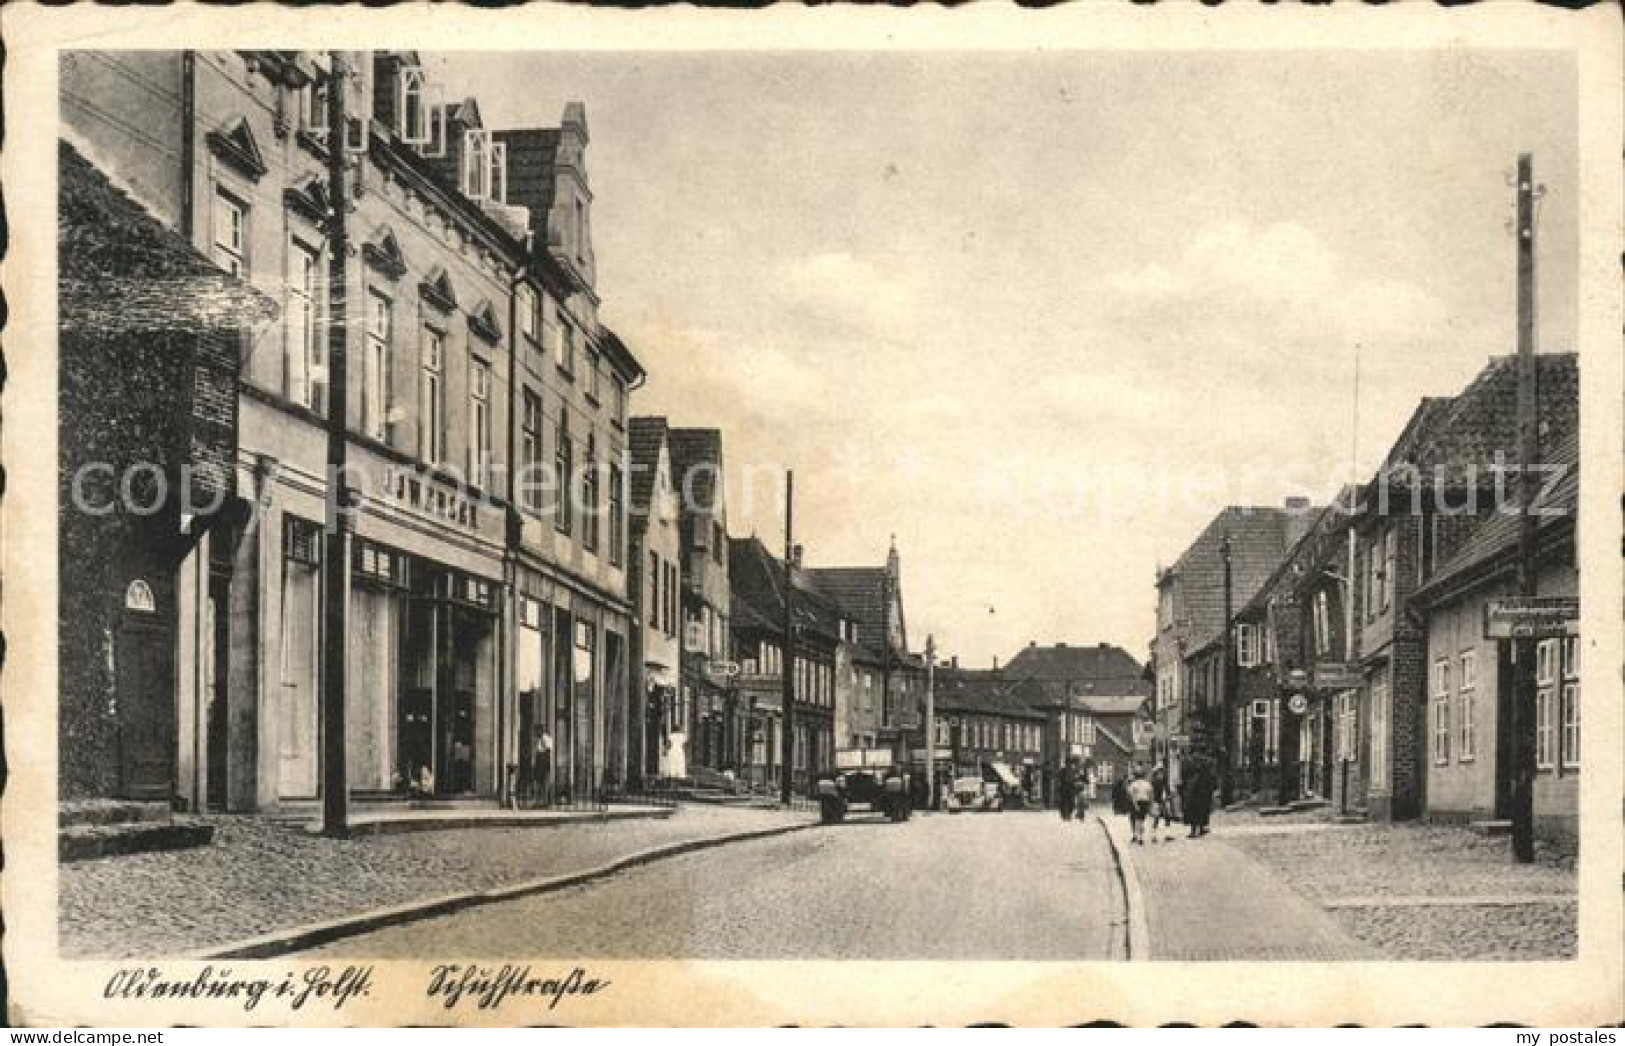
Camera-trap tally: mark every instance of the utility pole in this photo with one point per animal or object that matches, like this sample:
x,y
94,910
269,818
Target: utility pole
x,y
336,554
930,721
1523,703
1227,682
787,686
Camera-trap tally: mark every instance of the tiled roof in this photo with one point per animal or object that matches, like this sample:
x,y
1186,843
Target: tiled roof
x,y
1258,542
644,437
1497,536
1109,668
120,269
990,693
861,593
1460,437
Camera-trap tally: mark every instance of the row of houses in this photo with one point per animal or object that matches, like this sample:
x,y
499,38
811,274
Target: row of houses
x,y
543,598
1350,659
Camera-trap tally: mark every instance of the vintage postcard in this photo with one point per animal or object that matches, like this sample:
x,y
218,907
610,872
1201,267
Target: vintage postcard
x,y
814,516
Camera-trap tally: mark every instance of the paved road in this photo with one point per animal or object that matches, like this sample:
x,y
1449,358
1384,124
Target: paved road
x,y
972,886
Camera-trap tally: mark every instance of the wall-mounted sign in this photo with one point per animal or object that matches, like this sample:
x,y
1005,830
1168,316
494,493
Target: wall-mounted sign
x,y
1335,675
139,597
419,492
722,669
1298,704
1532,617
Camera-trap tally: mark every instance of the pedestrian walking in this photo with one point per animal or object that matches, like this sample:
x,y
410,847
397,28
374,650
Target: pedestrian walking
x,y
1140,798
1199,797
1066,788
1161,801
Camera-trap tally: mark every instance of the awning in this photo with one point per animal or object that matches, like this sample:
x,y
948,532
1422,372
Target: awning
x,y
1005,775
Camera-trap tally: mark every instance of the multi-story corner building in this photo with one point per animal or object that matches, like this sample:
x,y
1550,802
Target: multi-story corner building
x,y
760,584
657,745
1188,652
874,652
487,621
711,715
1437,484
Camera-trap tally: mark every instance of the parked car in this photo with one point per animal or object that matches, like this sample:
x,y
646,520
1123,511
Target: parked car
x,y
972,793
879,791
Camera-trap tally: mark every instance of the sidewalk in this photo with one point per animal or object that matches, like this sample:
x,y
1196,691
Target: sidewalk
x,y
258,876
1205,899
1419,891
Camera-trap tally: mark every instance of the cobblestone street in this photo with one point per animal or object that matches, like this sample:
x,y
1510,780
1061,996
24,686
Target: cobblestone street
x,y
1416,891
258,876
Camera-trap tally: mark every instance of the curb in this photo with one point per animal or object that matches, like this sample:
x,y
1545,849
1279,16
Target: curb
x,y
298,938
1139,931
450,823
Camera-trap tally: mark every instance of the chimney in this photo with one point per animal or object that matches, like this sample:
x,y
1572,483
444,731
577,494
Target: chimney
x,y
1060,646
1031,643
995,662
795,556
953,662
1296,504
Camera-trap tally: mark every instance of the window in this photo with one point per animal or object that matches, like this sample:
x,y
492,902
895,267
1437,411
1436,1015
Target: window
x,y
376,399
1373,579
618,386
1390,549
530,450
1272,731
1441,711
479,420
412,117
485,167
1548,665
1571,702
1466,698
230,234
1348,726
617,517
311,103
671,598
654,590
1266,641
303,364
595,375
581,231
561,476
1322,622
527,312
432,397
1247,645
565,347
590,505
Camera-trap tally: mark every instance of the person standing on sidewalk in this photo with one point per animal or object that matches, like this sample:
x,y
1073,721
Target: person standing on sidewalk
x,y
1199,797
1066,788
1139,797
1161,801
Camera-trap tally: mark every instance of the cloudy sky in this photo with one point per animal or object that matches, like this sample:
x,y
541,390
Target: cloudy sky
x,y
1041,315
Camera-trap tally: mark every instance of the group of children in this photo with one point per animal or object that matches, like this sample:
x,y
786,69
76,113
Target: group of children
x,y
1149,797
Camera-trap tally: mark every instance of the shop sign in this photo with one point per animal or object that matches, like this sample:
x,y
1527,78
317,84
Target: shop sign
x,y
1532,617
419,493
1335,675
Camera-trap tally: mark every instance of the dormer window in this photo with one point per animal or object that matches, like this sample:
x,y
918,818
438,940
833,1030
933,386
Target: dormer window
x,y
485,167
412,118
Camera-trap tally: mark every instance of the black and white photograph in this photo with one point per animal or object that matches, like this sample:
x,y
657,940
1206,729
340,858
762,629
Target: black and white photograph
x,y
503,524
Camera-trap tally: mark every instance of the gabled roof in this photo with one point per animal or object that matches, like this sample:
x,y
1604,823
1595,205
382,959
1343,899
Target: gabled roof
x,y
121,270
1104,667
758,587
984,692
860,592
645,436
1258,543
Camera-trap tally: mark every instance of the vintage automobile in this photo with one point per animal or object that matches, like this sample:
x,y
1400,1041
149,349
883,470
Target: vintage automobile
x,y
972,792
879,791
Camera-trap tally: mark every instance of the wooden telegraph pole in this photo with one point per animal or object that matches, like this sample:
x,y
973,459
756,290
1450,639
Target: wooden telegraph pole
x,y
787,688
335,557
1227,686
1523,650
